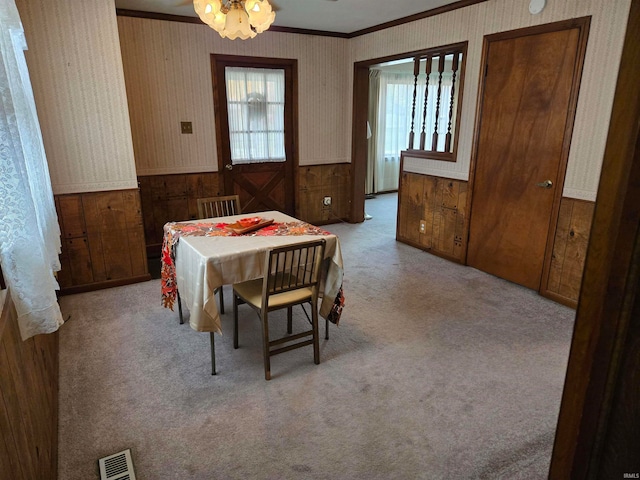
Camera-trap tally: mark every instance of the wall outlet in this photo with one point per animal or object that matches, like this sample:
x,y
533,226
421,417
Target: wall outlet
x,y
423,226
326,201
186,127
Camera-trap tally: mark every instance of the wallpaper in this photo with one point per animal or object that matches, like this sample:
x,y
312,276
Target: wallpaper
x,y
80,56
474,22
167,69
76,71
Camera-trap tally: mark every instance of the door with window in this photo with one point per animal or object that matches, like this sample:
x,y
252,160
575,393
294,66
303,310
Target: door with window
x,y
254,100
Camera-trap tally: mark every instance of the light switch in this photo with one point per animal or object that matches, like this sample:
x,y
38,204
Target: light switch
x,y
186,127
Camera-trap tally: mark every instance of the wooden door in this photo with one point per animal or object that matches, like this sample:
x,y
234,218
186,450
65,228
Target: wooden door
x,y
523,140
262,185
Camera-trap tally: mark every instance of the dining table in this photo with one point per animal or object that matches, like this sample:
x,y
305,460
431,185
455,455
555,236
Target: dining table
x,y
198,257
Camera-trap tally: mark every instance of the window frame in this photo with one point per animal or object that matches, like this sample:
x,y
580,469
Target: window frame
x,y
243,104
455,131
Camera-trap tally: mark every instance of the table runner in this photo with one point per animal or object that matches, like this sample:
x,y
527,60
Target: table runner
x,y
174,230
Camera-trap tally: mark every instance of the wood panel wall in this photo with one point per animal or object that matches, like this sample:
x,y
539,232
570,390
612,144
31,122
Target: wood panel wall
x,y
172,198
441,204
569,251
102,240
28,400
318,181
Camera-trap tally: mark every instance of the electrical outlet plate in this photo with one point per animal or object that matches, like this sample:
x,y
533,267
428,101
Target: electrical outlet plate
x,y
186,127
326,201
423,226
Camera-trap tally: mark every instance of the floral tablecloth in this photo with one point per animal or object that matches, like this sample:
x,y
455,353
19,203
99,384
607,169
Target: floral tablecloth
x,y
173,231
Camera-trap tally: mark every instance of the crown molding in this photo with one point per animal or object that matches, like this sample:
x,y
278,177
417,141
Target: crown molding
x,y
418,16
400,21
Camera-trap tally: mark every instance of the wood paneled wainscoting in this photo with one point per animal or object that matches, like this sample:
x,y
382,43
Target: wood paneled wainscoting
x,y
441,204
28,400
569,251
432,215
318,181
102,240
172,198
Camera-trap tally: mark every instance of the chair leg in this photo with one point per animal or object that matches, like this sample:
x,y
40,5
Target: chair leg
x,y
235,320
265,346
180,309
221,297
289,320
326,329
213,353
316,342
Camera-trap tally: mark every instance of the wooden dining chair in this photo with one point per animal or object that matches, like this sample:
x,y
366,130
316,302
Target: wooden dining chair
x,y
292,278
211,207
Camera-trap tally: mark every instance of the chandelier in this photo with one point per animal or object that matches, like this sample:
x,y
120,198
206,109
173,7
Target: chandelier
x,y
236,18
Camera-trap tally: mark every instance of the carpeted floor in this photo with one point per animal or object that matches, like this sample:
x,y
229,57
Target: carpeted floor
x,y
437,371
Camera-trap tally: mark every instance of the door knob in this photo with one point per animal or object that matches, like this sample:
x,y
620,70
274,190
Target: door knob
x,y
229,166
545,184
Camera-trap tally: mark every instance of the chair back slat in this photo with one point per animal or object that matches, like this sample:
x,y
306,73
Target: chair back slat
x,y
225,206
294,266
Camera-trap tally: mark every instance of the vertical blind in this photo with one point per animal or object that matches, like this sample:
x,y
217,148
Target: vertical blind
x,y
255,105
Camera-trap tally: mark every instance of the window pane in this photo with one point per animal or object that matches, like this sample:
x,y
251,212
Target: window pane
x,y
276,145
255,102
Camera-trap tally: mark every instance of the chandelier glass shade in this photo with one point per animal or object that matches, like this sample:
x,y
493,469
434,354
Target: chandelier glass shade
x,y
236,18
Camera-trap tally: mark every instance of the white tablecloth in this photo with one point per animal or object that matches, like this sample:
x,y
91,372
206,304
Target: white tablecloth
x,y
206,263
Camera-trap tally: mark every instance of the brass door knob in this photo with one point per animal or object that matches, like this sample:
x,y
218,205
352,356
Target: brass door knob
x,y
545,184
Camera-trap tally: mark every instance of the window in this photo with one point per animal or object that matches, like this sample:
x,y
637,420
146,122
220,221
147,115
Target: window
x,y
255,105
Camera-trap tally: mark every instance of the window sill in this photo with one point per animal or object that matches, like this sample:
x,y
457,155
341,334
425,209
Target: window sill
x,y
430,155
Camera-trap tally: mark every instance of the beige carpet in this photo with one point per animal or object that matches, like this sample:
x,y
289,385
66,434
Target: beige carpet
x,y
437,371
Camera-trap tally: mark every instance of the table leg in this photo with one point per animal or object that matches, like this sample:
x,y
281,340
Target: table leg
x,y
213,354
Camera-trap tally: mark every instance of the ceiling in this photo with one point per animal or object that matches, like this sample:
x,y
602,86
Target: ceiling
x,y
341,16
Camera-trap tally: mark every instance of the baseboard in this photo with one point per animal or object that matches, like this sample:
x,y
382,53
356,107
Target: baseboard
x,y
332,221
559,298
101,285
429,250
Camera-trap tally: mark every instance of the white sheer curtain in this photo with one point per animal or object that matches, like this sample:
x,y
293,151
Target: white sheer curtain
x,y
29,231
395,103
395,95
443,113
372,144
255,103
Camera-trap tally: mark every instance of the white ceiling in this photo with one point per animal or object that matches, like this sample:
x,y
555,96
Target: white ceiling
x,y
343,16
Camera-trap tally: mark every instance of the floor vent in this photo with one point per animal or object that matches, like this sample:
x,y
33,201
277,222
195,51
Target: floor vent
x,y
118,466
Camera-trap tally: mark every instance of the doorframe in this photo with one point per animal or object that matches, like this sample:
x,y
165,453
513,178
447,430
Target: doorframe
x,y
290,66
582,24
359,119
606,333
